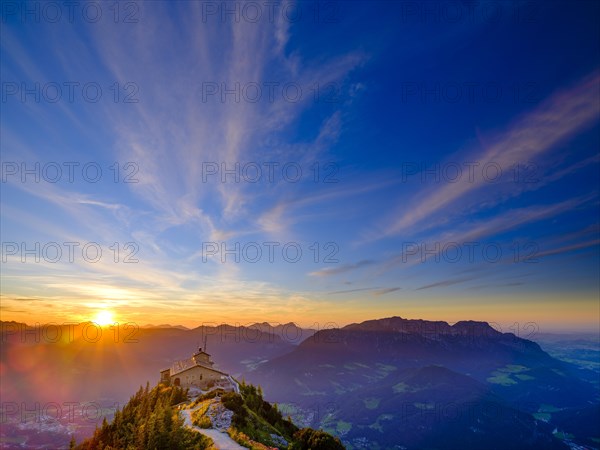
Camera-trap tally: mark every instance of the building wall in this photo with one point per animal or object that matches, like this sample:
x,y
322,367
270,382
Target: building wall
x,y
196,376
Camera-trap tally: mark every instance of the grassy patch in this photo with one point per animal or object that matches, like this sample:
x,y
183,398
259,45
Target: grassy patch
x,y
371,403
259,425
545,412
377,425
563,436
256,430
502,376
523,377
545,417
203,422
400,387
333,426
203,407
548,408
513,368
245,441
343,427
199,417
502,379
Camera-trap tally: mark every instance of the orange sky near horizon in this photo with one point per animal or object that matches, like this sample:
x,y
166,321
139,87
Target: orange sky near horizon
x,y
579,314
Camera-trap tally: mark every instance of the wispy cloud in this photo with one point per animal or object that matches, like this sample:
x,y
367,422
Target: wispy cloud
x,y
558,118
445,283
375,290
350,291
201,130
570,248
386,290
172,56
328,271
170,133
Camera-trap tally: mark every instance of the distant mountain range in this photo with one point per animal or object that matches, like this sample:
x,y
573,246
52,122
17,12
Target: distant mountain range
x,y
424,384
165,325
388,383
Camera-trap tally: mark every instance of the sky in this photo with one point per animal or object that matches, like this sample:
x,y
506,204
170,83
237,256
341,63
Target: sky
x,y
318,162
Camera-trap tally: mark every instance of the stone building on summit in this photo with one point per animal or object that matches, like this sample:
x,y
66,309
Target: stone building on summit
x,y
197,371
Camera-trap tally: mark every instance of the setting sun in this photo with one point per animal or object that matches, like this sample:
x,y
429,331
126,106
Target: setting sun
x,y
103,318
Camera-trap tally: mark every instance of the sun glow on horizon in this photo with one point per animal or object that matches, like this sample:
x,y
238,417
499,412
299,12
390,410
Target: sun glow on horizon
x,y
103,318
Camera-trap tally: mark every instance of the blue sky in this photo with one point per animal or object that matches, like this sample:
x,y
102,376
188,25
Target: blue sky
x,y
377,104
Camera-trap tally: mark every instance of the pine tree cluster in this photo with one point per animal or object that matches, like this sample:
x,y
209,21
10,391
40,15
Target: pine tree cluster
x,y
148,421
